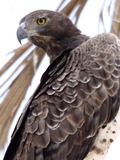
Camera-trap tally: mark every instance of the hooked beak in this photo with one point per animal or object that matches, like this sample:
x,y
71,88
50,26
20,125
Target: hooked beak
x,y
21,33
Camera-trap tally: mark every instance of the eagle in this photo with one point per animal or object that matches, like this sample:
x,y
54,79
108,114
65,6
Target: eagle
x,y
72,113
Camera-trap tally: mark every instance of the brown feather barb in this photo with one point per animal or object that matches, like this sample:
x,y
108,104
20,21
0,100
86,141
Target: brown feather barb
x,y
78,93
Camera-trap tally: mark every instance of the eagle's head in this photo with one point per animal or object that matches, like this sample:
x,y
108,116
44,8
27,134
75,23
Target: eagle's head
x,y
52,31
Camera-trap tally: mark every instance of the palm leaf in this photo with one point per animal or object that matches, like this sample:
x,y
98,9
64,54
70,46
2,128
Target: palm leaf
x,y
115,28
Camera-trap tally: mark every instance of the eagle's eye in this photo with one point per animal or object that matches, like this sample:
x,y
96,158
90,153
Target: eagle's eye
x,y
41,21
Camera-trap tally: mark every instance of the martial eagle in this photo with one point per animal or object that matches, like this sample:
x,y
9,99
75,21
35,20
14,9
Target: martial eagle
x,y
78,96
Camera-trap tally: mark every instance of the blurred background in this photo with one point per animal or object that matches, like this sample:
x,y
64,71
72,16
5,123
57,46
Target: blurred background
x,y
21,66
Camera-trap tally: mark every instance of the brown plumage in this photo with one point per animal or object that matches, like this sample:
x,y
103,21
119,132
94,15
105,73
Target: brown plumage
x,y
78,93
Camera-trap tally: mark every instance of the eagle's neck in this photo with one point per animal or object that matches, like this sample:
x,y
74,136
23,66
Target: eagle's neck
x,y
56,48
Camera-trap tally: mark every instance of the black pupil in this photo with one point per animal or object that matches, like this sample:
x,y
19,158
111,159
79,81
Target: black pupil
x,y
41,20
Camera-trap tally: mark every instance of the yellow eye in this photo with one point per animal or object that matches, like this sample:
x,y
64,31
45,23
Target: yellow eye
x,y
41,21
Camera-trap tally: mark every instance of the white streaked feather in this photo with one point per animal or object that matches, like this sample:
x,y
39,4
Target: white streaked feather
x,y
104,140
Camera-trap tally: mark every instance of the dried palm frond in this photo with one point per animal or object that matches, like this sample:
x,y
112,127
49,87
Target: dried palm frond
x,y
16,90
115,28
68,8
17,53
112,7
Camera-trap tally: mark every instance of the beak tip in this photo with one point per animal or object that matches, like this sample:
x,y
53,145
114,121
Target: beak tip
x,y
19,39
